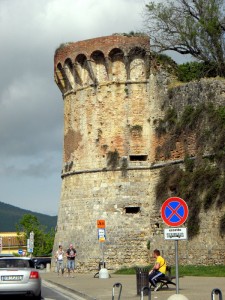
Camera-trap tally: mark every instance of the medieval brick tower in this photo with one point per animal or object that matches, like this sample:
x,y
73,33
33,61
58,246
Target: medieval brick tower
x,y
109,112
113,98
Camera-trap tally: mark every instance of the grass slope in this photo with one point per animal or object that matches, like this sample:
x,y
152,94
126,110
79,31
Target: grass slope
x,y
189,270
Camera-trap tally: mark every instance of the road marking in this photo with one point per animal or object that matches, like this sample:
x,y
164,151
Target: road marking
x,y
63,291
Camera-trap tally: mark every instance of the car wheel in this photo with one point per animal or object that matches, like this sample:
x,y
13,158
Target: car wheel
x,y
42,266
38,297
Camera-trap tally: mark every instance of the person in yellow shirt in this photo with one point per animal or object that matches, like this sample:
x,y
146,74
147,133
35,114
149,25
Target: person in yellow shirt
x,y
158,270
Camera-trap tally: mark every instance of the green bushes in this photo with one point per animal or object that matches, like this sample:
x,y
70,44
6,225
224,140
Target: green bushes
x,y
195,70
201,183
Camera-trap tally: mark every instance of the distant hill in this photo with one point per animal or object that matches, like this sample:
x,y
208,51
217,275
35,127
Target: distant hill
x,y
11,215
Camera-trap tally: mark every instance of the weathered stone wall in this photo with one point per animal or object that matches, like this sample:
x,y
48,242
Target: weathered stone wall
x,y
208,247
111,104
196,92
106,195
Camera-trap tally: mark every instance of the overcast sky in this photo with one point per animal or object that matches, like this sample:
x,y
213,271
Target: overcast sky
x,y
31,105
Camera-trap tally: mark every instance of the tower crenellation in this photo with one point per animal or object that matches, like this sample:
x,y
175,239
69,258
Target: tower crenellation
x,y
92,62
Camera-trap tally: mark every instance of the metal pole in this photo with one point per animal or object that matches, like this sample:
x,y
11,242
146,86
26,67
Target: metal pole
x,y
149,292
119,285
103,263
177,271
216,292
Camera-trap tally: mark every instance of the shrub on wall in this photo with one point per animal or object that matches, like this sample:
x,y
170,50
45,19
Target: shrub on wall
x,y
222,225
201,182
195,70
113,159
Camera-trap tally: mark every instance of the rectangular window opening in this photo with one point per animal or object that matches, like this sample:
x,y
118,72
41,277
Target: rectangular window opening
x,y
138,157
132,209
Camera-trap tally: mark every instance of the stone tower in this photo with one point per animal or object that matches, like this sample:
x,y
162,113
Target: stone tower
x,y
109,111
114,96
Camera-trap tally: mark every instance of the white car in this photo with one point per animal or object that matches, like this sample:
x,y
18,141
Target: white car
x,y
18,276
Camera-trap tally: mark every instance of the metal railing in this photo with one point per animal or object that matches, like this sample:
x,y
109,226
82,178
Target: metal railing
x,y
118,285
149,292
216,292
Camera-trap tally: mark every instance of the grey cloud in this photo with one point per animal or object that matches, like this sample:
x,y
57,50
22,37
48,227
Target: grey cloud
x,y
31,105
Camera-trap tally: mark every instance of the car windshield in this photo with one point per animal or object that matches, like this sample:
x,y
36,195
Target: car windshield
x,y
15,263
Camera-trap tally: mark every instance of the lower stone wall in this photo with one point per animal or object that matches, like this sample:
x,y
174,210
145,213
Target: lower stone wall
x,y
205,249
108,195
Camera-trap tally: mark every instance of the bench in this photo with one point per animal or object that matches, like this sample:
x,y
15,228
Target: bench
x,y
167,279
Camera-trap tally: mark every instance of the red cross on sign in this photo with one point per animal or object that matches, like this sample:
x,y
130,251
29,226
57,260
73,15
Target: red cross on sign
x,y
174,211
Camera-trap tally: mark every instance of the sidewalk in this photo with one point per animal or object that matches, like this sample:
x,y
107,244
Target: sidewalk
x,y
90,288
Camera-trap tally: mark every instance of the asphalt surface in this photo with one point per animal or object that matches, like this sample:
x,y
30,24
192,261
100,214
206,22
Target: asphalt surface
x,y
86,286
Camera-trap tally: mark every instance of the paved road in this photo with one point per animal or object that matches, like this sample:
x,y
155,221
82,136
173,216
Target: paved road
x,y
87,287
54,292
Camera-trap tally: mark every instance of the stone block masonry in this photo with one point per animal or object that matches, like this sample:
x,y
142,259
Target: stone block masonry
x,y
111,101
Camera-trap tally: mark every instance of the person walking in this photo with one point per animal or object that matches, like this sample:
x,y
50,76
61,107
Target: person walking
x,y
158,270
59,255
71,254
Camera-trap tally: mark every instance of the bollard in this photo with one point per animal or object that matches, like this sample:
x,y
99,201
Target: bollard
x,y
103,273
177,297
216,292
48,267
149,292
117,285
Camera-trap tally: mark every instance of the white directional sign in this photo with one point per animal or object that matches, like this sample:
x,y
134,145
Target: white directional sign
x,y
175,233
30,247
101,235
28,244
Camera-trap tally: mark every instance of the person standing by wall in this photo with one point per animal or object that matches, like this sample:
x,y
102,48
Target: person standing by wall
x,y
59,255
70,254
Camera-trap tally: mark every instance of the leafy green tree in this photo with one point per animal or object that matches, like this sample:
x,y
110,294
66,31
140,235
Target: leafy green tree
x,y
195,27
43,240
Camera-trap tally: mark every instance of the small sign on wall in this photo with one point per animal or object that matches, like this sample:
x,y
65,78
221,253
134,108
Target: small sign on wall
x,y
100,223
175,233
101,235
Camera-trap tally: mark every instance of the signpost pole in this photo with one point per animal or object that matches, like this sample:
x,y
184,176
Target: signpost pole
x,y
101,237
103,263
174,212
177,270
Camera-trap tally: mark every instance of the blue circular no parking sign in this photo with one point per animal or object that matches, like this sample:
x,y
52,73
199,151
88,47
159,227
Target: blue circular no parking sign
x,y
174,211
20,251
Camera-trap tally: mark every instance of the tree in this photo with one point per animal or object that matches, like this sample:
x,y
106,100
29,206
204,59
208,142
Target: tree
x,y
195,27
43,241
